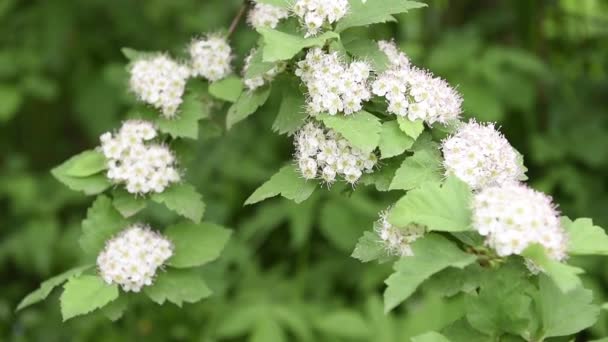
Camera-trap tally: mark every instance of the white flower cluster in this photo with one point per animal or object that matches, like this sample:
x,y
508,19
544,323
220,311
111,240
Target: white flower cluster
x,y
513,217
480,156
315,13
258,81
415,93
132,257
334,86
142,167
397,240
211,58
326,154
264,15
395,57
160,82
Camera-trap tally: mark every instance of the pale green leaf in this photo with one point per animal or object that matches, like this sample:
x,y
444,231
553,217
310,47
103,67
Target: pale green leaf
x,y
116,309
85,164
183,199
246,105
127,204
411,128
361,129
292,113
368,50
287,183
185,124
432,254
267,329
374,11
430,337
584,238
343,324
257,67
228,89
564,276
279,3
84,294
280,46
369,247
442,207
393,141
48,285
424,166
102,222
196,244
11,99
178,287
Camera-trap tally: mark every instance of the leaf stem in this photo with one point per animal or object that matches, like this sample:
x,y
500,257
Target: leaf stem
x,y
237,19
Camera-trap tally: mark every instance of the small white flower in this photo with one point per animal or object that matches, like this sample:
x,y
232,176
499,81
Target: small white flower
x,y
210,58
397,240
132,258
264,15
314,13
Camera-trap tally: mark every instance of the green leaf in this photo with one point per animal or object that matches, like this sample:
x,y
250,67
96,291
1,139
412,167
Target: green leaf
x,y
430,337
411,128
48,285
563,314
116,308
432,254
361,129
393,141
424,166
127,204
185,124
439,207
374,11
11,99
101,223
381,179
280,46
178,287
82,173
585,238
257,67
196,244
461,331
267,329
246,105
85,164
228,89
287,183
183,199
368,50
502,305
277,3
132,54
564,276
343,324
369,248
84,294
292,114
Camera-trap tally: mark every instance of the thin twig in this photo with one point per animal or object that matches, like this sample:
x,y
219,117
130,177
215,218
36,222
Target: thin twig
x,y
237,19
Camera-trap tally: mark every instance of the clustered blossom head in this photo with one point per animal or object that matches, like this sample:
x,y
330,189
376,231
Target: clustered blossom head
x,y
395,57
253,83
160,82
334,86
315,13
325,154
131,258
264,15
397,240
417,94
480,156
513,217
142,167
210,58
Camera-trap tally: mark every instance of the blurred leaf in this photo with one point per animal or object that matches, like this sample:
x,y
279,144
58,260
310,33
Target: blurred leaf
x,y
84,294
196,244
116,309
11,100
267,329
183,199
584,238
178,287
430,337
564,276
287,183
343,324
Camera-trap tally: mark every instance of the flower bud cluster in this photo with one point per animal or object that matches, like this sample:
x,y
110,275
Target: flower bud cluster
x,y
416,93
512,217
325,154
132,258
160,82
315,13
395,57
253,83
334,86
397,240
142,167
480,155
210,58
264,15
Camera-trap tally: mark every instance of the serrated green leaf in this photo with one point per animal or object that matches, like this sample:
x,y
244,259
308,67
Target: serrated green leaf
x,y
257,67
82,164
361,129
441,207
584,238
196,244
412,128
228,89
287,183
564,276
48,285
432,254
280,46
369,247
374,11
85,164
127,204
246,105
292,114
430,336
185,124
183,199
84,294
563,314
393,141
116,309
343,324
381,179
178,287
368,50
101,223
424,166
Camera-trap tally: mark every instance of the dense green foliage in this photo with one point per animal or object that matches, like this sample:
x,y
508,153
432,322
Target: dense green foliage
x,y
538,68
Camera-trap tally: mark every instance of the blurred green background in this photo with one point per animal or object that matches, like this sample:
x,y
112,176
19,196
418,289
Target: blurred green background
x,y
538,68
